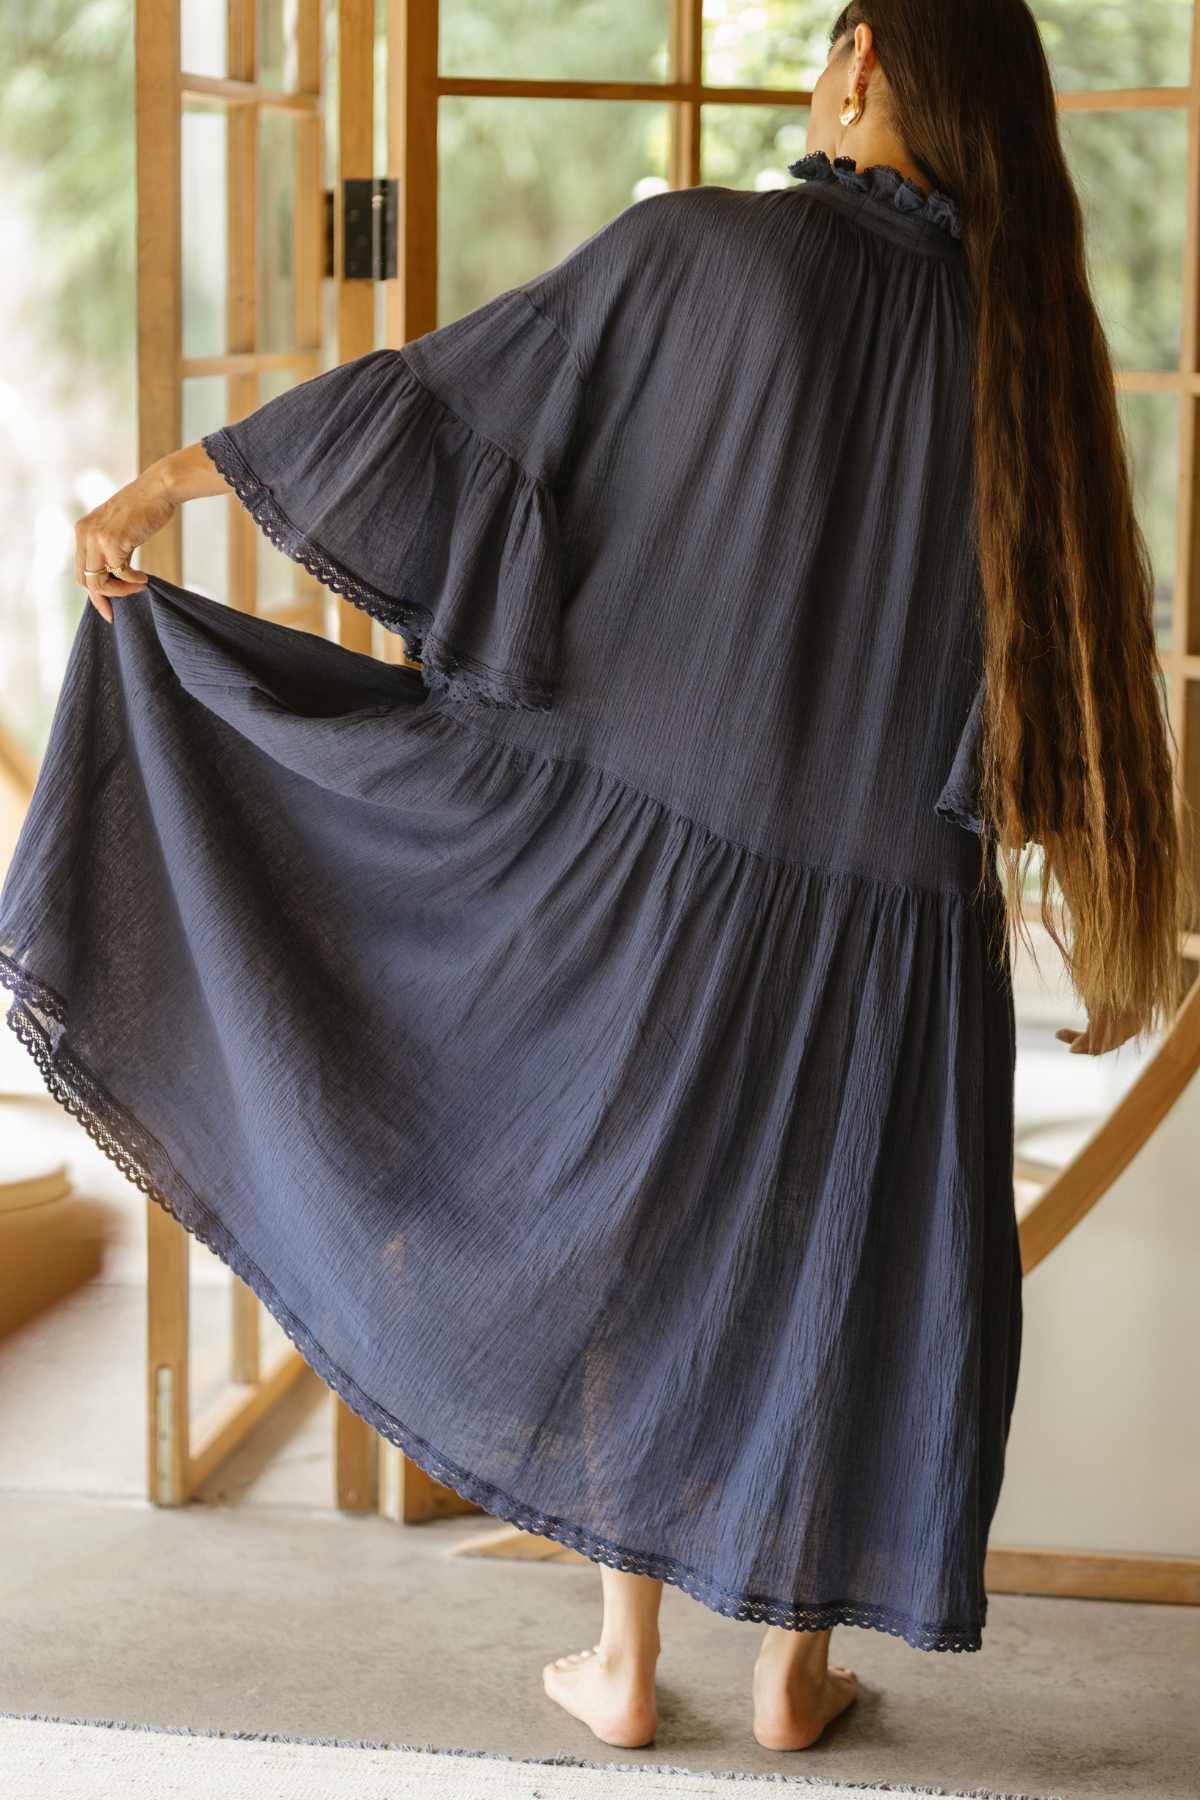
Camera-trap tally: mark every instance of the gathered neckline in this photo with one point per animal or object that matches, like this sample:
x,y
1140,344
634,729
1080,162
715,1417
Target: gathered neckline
x,y
880,181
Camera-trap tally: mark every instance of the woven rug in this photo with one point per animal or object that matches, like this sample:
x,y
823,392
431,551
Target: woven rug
x,y
74,1759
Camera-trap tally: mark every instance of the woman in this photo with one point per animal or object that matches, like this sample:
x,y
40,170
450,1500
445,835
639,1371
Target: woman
x,y
597,1047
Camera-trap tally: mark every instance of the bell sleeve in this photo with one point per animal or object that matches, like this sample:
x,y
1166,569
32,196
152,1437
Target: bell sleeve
x,y
959,797
420,484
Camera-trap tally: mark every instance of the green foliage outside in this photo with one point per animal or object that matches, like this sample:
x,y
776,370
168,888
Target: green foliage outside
x,y
66,131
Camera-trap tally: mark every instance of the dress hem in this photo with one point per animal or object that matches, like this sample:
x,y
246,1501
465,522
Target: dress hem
x,y
144,1162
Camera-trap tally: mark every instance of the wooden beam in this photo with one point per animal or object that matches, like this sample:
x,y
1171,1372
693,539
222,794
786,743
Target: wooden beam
x,y
701,93
245,1347
686,64
305,612
167,1304
356,161
1112,1147
1124,99
410,1496
160,426
250,362
233,93
1094,1575
1156,381
412,301
309,246
1189,749
693,93
1186,619
17,767
159,264
508,1543
229,1421
241,288
1070,1574
355,1444
1185,616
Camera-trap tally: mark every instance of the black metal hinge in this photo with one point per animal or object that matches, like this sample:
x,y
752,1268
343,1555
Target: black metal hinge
x,y
369,214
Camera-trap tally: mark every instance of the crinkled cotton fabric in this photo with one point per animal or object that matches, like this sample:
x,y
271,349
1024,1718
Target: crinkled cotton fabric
x,y
590,1044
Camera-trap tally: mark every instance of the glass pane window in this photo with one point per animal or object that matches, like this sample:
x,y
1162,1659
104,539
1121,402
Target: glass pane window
x,y
205,523
278,577
277,22
774,43
1130,169
1151,426
751,146
276,231
521,182
1110,44
546,40
203,155
203,42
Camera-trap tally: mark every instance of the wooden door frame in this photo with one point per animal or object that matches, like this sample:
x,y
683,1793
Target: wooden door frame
x,y
181,1451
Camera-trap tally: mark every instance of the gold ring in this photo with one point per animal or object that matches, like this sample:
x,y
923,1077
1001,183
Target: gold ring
x,y
102,570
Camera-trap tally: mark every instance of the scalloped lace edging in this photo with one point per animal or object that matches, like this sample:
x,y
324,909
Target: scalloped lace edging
x,y
882,182
407,617
143,1161
458,677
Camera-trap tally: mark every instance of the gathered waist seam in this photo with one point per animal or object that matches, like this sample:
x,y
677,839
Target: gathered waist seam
x,y
966,896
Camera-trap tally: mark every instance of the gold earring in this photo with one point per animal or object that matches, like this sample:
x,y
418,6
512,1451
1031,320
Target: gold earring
x,y
852,107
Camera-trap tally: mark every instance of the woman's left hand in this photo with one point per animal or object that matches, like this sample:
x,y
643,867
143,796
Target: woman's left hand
x,y
107,537
1104,1031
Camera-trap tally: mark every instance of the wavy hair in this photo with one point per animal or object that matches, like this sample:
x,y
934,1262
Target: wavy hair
x,y
1076,750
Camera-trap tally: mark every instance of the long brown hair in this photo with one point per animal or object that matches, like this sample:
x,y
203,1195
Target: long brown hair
x,y
1076,749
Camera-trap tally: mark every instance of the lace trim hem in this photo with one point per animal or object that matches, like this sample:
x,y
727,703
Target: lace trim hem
x,y
459,677
882,182
143,1161
462,676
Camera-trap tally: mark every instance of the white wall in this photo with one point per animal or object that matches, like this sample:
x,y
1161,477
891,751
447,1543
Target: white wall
x,y
1104,1450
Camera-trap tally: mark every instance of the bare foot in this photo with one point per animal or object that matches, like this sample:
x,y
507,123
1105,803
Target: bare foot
x,y
793,1704
612,1691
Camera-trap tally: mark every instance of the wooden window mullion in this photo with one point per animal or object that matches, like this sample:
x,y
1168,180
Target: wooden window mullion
x,y
686,62
241,276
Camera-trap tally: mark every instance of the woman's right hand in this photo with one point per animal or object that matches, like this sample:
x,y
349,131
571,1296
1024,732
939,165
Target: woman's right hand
x,y
107,537
1104,1031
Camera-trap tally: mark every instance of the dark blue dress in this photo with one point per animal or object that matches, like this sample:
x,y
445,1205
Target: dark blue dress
x,y
592,1047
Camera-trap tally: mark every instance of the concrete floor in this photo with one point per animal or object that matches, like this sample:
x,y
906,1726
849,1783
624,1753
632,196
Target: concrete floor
x,y
268,1619
261,1608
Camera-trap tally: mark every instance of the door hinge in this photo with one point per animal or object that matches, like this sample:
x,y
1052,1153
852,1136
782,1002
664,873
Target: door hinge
x,y
369,215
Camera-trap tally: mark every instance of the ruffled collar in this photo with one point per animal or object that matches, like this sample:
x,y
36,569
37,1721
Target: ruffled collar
x,y
882,182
